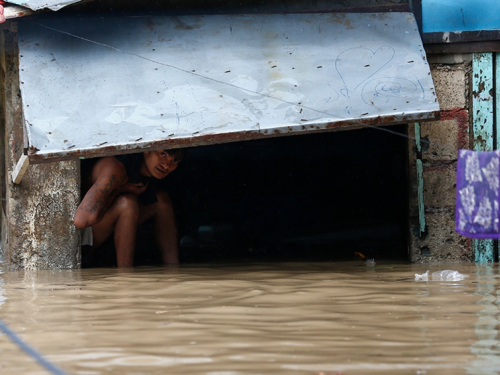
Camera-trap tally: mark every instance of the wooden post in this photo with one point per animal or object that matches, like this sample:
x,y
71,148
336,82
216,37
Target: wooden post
x,y
20,169
420,180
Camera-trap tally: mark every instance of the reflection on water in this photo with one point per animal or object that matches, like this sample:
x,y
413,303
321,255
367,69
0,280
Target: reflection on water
x,y
290,318
486,348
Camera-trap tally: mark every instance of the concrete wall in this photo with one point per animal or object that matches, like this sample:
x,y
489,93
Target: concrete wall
x,y
440,242
38,231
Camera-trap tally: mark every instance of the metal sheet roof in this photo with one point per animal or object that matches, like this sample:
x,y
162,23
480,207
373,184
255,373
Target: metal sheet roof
x,y
42,4
96,86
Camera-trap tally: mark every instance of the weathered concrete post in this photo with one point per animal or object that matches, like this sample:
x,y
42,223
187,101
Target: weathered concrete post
x,y
38,230
440,242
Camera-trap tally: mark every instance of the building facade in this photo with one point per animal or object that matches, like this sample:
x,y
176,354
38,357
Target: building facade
x,y
37,226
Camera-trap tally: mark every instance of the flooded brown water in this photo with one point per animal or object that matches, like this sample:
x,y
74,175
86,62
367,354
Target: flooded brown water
x,y
289,318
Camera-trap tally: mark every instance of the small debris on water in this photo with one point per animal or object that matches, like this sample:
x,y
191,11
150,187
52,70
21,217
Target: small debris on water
x,y
445,275
422,277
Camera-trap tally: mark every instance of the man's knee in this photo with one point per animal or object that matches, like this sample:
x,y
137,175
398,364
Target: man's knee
x,y
164,202
127,204
163,198
164,210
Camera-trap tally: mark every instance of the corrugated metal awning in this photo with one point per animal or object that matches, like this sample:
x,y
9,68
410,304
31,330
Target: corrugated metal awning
x,y
95,86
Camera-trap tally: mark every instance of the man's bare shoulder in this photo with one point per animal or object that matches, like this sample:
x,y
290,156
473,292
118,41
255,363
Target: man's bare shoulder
x,y
109,166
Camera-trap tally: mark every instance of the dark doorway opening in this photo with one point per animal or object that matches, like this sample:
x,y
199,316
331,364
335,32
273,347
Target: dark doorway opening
x,y
316,197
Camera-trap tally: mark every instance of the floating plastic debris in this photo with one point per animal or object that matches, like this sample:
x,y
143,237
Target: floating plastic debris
x,y
422,277
370,262
448,275
445,275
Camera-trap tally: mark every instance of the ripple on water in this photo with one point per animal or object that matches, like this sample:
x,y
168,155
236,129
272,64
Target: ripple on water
x,y
308,318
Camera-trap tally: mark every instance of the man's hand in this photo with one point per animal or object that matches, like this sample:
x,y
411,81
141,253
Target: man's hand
x,y
134,188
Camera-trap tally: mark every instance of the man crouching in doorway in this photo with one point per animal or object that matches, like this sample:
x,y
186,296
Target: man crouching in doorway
x,y
122,196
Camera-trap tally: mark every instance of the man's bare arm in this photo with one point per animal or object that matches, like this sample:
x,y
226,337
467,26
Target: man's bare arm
x,y
108,176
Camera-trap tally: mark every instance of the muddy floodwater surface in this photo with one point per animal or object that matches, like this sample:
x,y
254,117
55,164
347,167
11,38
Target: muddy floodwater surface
x,y
287,318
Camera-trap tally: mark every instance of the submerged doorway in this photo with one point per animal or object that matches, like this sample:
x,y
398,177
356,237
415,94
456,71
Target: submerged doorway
x,y
316,197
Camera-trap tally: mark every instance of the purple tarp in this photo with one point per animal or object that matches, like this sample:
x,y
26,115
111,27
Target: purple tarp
x,y
478,194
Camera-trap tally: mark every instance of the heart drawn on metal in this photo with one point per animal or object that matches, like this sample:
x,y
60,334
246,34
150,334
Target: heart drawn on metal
x,y
356,65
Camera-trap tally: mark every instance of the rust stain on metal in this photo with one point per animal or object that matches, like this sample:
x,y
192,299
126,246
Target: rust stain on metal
x,y
183,26
150,24
14,11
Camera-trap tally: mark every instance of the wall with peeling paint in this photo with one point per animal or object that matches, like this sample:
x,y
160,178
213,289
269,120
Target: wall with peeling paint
x,y
439,241
38,232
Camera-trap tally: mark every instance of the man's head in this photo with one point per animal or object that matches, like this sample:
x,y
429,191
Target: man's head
x,y
159,164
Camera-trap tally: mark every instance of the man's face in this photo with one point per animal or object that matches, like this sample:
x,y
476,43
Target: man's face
x,y
159,164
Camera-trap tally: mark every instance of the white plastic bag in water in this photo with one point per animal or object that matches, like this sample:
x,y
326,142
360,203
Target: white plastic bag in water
x,y
448,275
422,277
445,275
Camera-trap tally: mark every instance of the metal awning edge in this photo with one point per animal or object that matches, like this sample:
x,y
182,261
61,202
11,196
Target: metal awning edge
x,y
36,5
14,11
36,157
